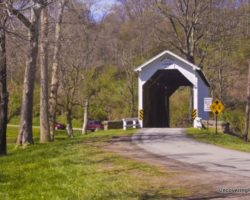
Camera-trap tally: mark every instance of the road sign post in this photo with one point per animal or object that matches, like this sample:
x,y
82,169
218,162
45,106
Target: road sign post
x,y
216,107
216,124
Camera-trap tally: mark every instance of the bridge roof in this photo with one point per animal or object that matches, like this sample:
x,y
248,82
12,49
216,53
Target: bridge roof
x,y
170,55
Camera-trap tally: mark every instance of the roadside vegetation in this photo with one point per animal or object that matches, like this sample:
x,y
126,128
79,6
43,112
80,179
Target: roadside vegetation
x,y
78,168
219,139
76,123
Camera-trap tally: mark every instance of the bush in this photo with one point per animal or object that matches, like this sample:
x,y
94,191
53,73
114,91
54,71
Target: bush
x,y
236,120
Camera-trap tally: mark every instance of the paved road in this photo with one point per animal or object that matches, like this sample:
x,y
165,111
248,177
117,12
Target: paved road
x,y
173,143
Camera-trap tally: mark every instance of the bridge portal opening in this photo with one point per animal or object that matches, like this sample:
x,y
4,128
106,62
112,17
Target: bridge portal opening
x,y
156,96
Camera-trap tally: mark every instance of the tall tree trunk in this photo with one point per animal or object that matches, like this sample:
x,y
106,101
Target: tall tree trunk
x,y
54,78
25,135
44,114
3,90
220,82
247,107
85,117
69,127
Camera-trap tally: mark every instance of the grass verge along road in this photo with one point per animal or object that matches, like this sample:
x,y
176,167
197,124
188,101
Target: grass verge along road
x,y
79,168
219,139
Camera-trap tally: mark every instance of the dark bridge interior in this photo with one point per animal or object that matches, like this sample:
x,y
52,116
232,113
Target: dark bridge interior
x,y
156,94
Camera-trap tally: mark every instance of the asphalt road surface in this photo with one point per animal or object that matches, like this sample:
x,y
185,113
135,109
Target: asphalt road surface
x,y
173,143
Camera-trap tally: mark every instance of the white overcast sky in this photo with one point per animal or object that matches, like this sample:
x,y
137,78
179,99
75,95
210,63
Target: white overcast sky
x,y
101,8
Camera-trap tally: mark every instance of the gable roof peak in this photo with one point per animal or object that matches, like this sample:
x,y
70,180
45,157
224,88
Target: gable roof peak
x,y
169,55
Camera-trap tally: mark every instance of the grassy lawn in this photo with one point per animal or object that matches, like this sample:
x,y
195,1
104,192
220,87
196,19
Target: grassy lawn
x,y
78,168
220,139
36,121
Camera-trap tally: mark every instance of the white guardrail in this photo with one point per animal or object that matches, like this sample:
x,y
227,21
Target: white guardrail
x,y
130,122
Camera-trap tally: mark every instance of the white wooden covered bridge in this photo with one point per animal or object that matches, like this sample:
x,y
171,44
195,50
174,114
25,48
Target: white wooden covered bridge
x,y
159,78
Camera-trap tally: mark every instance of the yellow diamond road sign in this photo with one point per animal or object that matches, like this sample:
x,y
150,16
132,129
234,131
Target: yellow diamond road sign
x,y
217,107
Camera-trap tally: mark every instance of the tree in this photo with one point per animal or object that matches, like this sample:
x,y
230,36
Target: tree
x,y
188,20
130,80
82,35
135,40
70,80
25,135
221,65
247,55
44,114
85,117
90,88
247,107
55,70
3,85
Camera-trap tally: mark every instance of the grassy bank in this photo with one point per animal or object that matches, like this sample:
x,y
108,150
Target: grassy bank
x,y
78,168
36,121
220,139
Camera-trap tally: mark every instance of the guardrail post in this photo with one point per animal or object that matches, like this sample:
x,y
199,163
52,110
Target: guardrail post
x,y
134,123
124,124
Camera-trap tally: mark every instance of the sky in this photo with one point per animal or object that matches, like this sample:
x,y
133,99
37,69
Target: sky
x,y
101,8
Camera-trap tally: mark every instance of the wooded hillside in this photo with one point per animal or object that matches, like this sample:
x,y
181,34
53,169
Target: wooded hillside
x,y
60,56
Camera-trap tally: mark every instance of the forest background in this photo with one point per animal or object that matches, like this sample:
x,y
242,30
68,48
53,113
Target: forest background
x,y
94,52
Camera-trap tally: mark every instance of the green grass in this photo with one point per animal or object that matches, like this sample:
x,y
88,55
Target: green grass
x,y
220,139
79,168
36,121
16,121
76,123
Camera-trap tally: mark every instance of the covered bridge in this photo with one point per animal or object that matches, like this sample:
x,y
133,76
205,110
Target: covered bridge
x,y
159,78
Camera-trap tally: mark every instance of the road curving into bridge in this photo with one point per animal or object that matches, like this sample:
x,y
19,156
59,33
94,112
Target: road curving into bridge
x,y
174,143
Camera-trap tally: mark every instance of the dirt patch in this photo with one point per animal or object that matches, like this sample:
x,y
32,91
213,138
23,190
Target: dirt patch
x,y
202,183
